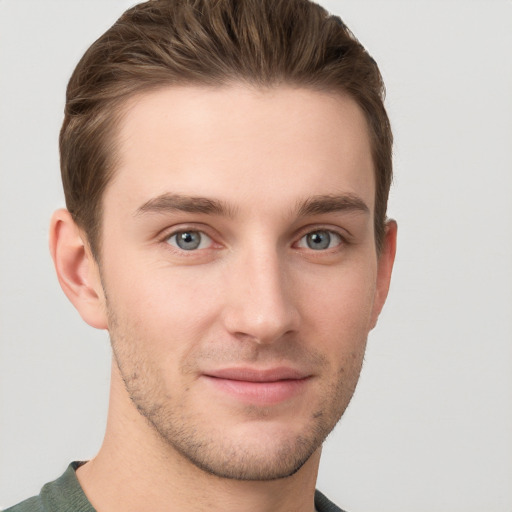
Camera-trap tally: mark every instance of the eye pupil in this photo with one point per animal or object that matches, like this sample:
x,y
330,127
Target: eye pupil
x,y
319,240
188,240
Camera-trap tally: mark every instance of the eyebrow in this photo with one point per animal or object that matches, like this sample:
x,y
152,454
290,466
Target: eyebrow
x,y
318,205
315,205
190,204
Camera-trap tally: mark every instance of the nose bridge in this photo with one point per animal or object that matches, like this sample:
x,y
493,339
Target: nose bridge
x,y
260,302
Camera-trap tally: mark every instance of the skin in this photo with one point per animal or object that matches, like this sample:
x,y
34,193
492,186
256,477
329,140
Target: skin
x,y
233,360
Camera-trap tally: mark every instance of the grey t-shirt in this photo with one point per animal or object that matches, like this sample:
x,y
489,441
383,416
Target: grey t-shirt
x,y
66,495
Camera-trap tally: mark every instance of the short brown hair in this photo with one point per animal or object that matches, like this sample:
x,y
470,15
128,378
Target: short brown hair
x,y
210,42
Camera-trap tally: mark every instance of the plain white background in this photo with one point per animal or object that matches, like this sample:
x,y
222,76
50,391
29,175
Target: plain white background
x,y
430,426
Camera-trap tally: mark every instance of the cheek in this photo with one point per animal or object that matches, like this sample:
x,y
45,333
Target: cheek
x,y
341,305
164,310
337,319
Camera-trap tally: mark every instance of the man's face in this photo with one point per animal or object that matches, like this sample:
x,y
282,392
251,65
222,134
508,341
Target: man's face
x,y
239,267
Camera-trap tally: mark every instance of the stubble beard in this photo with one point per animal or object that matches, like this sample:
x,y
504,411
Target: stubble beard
x,y
211,450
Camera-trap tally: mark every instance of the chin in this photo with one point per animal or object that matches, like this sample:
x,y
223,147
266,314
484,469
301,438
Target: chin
x,y
251,463
260,450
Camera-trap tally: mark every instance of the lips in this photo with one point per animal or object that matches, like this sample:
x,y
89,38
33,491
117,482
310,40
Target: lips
x,y
255,386
254,375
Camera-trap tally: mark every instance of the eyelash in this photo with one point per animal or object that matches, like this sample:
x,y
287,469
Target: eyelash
x,y
184,232
341,239
330,235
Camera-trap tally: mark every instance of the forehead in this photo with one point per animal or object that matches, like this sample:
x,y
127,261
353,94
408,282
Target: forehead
x,y
242,144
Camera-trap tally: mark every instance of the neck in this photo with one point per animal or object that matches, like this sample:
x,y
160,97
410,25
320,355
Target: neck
x,y
136,470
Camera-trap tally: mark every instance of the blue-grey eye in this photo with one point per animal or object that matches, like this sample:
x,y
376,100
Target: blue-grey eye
x,y
320,240
189,240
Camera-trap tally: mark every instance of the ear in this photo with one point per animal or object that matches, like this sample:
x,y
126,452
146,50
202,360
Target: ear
x,y
384,268
77,270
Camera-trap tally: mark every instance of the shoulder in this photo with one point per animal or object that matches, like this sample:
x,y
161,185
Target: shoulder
x,y
33,504
324,504
61,495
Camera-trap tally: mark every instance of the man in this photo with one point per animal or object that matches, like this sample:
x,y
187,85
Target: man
x,y
226,167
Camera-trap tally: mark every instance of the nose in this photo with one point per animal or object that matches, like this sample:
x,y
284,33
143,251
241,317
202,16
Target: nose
x,y
259,302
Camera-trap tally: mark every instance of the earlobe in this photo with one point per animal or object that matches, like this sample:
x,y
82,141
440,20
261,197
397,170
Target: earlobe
x,y
77,270
384,270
